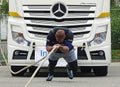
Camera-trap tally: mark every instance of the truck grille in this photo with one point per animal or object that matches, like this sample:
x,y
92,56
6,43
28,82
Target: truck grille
x,y
39,20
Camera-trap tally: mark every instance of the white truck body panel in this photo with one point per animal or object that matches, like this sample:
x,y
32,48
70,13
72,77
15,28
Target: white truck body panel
x,y
89,20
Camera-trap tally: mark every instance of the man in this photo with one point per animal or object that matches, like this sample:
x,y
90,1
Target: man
x,y
61,38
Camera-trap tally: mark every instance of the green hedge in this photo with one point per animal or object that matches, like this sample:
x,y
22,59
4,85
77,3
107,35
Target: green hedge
x,y
115,32
116,55
115,26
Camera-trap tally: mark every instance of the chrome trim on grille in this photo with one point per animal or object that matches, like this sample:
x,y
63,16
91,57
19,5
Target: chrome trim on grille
x,y
79,20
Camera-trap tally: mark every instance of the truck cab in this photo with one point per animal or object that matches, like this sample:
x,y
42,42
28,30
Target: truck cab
x,y
89,20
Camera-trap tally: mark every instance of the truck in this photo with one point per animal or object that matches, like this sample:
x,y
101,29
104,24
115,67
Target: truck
x,y
30,22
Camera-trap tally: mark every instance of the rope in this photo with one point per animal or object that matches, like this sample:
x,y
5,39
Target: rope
x,y
3,56
52,51
17,72
42,62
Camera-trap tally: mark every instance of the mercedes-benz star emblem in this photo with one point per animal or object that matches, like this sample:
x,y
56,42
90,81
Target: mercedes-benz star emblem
x,y
59,10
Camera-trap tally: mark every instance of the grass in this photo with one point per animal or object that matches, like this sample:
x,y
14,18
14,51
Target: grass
x,y
116,55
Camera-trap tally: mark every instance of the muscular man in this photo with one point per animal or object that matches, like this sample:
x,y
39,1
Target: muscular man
x,y
62,38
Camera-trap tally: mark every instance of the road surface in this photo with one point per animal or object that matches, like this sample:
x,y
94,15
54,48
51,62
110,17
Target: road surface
x,y
111,80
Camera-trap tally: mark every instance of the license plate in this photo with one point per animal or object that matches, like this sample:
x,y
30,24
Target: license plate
x,y
40,52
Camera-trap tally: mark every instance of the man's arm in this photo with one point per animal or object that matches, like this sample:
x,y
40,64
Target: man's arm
x,y
49,44
49,48
64,49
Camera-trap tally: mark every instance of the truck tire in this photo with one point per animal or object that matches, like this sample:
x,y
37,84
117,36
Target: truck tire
x,y
17,68
85,69
100,70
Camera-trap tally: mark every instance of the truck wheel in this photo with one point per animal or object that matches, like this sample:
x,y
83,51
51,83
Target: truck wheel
x,y
85,69
17,68
100,70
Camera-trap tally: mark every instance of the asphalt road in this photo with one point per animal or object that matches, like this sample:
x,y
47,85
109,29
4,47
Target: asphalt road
x,y
111,80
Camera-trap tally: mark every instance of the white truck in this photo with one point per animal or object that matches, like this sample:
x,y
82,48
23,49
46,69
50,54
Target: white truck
x,y
31,20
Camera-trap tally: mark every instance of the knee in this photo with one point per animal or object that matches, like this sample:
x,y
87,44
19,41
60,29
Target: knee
x,y
52,63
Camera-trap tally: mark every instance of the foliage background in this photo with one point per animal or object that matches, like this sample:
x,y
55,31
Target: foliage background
x,y
4,7
115,31
115,26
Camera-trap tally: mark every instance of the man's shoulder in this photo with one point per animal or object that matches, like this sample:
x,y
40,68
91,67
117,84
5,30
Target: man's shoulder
x,y
51,35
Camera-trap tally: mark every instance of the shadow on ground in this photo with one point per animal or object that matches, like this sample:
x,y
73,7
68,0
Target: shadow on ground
x,y
59,73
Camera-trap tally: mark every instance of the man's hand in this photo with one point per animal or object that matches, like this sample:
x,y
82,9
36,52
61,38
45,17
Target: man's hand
x,y
49,48
64,49
57,46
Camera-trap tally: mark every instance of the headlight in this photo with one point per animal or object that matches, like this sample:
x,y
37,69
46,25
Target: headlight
x,y
98,39
19,38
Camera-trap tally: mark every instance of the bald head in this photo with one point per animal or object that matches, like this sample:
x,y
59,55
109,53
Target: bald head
x,y
60,35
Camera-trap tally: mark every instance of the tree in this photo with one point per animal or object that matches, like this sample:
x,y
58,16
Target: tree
x,y
4,7
117,2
